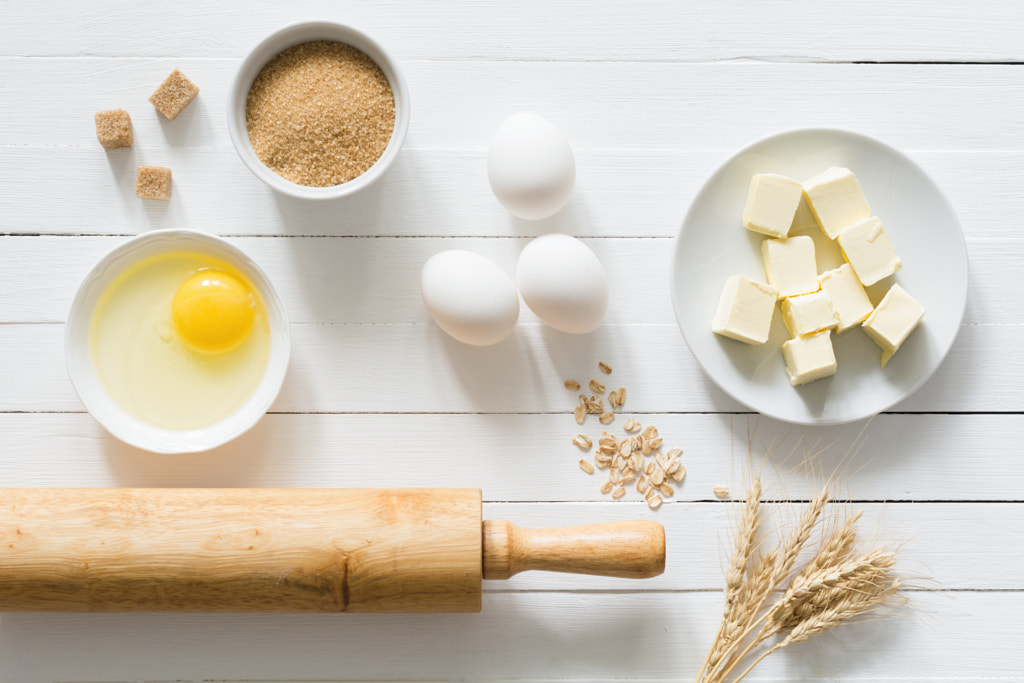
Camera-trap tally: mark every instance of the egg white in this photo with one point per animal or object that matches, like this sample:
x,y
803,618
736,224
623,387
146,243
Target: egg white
x,y
145,367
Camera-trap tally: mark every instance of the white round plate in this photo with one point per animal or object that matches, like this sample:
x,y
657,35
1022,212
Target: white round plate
x,y
713,245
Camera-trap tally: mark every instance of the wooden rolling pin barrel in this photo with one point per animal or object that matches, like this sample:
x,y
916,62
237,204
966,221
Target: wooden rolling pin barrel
x,y
285,550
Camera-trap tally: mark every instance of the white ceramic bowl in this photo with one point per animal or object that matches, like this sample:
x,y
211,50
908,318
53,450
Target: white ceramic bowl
x,y
273,45
713,245
125,426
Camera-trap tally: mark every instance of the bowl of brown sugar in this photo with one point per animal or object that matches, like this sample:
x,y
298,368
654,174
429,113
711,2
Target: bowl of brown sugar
x,y
318,110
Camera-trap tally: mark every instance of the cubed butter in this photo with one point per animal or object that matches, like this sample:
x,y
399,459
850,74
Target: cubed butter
x,y
892,321
745,310
836,200
849,300
808,313
772,202
789,264
809,358
868,249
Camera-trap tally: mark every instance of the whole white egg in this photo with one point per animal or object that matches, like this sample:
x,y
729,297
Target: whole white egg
x,y
564,283
469,297
530,166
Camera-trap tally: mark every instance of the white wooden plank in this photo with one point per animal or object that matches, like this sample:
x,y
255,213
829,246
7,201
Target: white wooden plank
x,y
551,636
537,30
355,280
530,457
417,368
426,192
620,105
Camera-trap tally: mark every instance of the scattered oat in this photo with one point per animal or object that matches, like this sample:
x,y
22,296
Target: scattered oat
x,y
583,441
658,476
628,459
721,492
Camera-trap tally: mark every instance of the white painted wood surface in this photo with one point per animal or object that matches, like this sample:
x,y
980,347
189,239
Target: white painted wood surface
x,y
653,95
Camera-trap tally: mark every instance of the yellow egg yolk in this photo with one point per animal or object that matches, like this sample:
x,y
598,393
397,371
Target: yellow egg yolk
x,y
213,311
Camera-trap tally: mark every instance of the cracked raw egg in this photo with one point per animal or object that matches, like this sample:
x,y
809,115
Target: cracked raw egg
x,y
180,340
213,311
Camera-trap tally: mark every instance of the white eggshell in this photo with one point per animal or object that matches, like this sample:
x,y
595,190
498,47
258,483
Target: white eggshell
x,y
469,297
564,283
531,166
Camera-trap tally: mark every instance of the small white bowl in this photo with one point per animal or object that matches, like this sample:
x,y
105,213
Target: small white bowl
x,y
270,47
79,358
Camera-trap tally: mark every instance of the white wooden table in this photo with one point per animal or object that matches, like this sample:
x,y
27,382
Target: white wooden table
x,y
653,95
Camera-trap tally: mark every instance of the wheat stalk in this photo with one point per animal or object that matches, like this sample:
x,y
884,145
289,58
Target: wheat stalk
x,y
842,582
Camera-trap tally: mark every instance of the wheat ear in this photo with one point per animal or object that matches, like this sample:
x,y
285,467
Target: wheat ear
x,y
737,570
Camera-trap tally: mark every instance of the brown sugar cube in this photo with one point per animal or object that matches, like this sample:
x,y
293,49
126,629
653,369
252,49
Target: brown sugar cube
x,y
114,128
153,182
173,95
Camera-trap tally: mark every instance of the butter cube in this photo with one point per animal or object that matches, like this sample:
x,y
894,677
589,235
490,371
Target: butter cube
x,y
836,200
892,321
745,310
808,313
868,249
771,204
849,300
790,265
809,358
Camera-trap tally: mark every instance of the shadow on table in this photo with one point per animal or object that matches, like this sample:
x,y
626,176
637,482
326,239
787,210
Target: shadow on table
x,y
515,636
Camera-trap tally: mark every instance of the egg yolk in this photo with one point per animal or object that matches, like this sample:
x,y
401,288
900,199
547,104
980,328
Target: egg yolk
x,y
213,311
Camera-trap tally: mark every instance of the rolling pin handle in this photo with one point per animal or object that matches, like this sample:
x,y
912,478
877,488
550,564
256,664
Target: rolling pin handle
x,y
632,550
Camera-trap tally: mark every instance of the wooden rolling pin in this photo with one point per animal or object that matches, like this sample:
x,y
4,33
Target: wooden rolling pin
x,y
285,550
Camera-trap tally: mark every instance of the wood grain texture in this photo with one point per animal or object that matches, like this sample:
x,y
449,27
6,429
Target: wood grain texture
x,y
518,636
621,193
240,550
516,457
653,96
644,105
648,30
632,549
40,276
417,368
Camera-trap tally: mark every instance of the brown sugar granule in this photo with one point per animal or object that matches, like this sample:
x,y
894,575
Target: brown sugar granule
x,y
173,95
153,182
320,113
114,128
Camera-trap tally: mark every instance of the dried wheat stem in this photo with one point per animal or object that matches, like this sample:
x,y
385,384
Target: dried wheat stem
x,y
749,525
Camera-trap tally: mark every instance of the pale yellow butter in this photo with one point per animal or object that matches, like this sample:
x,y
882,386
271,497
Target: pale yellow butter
x,y
868,249
745,310
809,357
789,264
894,318
849,300
808,313
772,202
836,200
